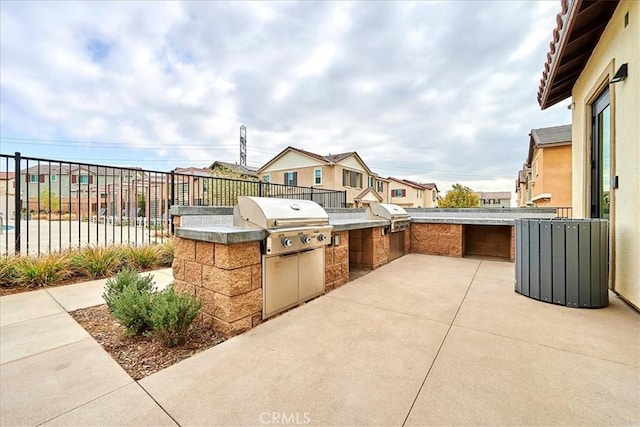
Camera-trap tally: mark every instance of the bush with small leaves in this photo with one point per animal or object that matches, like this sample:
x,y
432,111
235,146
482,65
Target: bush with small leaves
x,y
132,307
172,314
127,277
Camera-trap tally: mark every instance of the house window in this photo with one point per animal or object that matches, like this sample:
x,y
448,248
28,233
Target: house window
x,y
317,176
84,179
53,178
33,178
370,182
398,193
267,178
351,179
291,178
380,186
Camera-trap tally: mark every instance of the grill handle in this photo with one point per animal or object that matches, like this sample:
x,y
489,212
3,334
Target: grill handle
x,y
299,222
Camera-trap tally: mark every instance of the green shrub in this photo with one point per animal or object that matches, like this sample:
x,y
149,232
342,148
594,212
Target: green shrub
x,y
8,273
132,307
166,253
142,257
172,314
46,270
95,262
127,277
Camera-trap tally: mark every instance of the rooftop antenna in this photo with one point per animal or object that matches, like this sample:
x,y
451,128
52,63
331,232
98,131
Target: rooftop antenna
x,y
243,145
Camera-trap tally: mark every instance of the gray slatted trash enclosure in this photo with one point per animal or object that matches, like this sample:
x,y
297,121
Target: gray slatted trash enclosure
x,y
563,261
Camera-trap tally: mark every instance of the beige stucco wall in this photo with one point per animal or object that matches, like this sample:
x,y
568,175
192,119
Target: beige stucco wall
x,y
430,199
554,176
412,198
617,45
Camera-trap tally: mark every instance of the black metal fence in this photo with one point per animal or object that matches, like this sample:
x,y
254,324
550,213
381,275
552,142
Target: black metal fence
x,y
50,205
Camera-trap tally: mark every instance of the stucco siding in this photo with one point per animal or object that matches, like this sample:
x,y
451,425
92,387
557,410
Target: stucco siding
x,y
292,161
618,45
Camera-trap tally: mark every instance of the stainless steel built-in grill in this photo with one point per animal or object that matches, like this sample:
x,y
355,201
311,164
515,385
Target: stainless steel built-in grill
x,y
400,221
293,252
399,218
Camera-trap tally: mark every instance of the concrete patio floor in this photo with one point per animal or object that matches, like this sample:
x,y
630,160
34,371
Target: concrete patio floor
x,y
424,340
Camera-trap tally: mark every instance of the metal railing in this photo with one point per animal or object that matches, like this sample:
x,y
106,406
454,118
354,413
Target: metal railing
x,y
564,212
51,205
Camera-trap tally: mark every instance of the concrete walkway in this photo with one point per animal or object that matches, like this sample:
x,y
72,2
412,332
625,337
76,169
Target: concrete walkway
x,y
423,340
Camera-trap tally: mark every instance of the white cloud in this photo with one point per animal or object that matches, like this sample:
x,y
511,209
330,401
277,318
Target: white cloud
x,y
398,82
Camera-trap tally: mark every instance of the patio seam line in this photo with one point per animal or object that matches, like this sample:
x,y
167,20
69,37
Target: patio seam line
x,y
86,403
546,346
60,304
389,310
38,318
51,349
444,339
157,403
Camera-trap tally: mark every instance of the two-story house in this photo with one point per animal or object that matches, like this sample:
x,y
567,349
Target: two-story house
x,y
523,189
344,172
549,165
409,194
494,199
431,194
594,59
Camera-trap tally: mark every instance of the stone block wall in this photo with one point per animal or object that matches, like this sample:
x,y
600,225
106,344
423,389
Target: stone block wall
x,y
227,277
368,248
375,247
336,259
437,239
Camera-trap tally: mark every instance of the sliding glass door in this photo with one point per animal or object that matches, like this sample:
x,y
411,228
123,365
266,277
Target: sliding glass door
x,y
601,156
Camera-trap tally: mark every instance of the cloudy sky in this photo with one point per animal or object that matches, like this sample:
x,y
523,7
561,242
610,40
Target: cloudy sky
x,y
441,92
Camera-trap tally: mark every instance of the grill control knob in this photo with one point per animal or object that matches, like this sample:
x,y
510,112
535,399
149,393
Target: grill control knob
x,y
286,242
321,237
305,240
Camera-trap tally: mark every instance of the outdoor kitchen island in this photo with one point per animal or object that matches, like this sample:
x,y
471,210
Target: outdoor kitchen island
x,y
222,263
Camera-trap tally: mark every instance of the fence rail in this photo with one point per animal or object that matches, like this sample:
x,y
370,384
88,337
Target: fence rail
x,y
50,205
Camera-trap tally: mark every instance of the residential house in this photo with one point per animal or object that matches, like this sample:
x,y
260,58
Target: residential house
x,y
594,58
407,193
343,172
494,199
7,194
233,171
523,189
431,195
549,162
88,191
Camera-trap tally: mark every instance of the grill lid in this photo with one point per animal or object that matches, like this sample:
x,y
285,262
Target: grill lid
x,y
387,211
273,213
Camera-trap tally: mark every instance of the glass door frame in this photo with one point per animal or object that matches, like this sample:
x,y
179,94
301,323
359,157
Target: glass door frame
x,y
600,123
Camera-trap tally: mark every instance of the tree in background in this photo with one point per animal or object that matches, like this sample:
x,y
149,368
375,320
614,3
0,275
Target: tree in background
x,y
459,197
50,201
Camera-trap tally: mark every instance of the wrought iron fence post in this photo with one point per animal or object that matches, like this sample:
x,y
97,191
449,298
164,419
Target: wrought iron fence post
x,y
17,203
260,183
172,200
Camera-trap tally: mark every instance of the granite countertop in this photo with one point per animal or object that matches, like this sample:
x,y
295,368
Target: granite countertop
x,y
228,234
464,221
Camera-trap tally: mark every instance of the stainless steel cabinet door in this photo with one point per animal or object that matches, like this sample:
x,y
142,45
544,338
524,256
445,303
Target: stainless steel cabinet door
x,y
311,273
279,283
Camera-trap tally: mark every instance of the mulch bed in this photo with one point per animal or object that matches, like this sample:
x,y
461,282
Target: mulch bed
x,y
140,356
